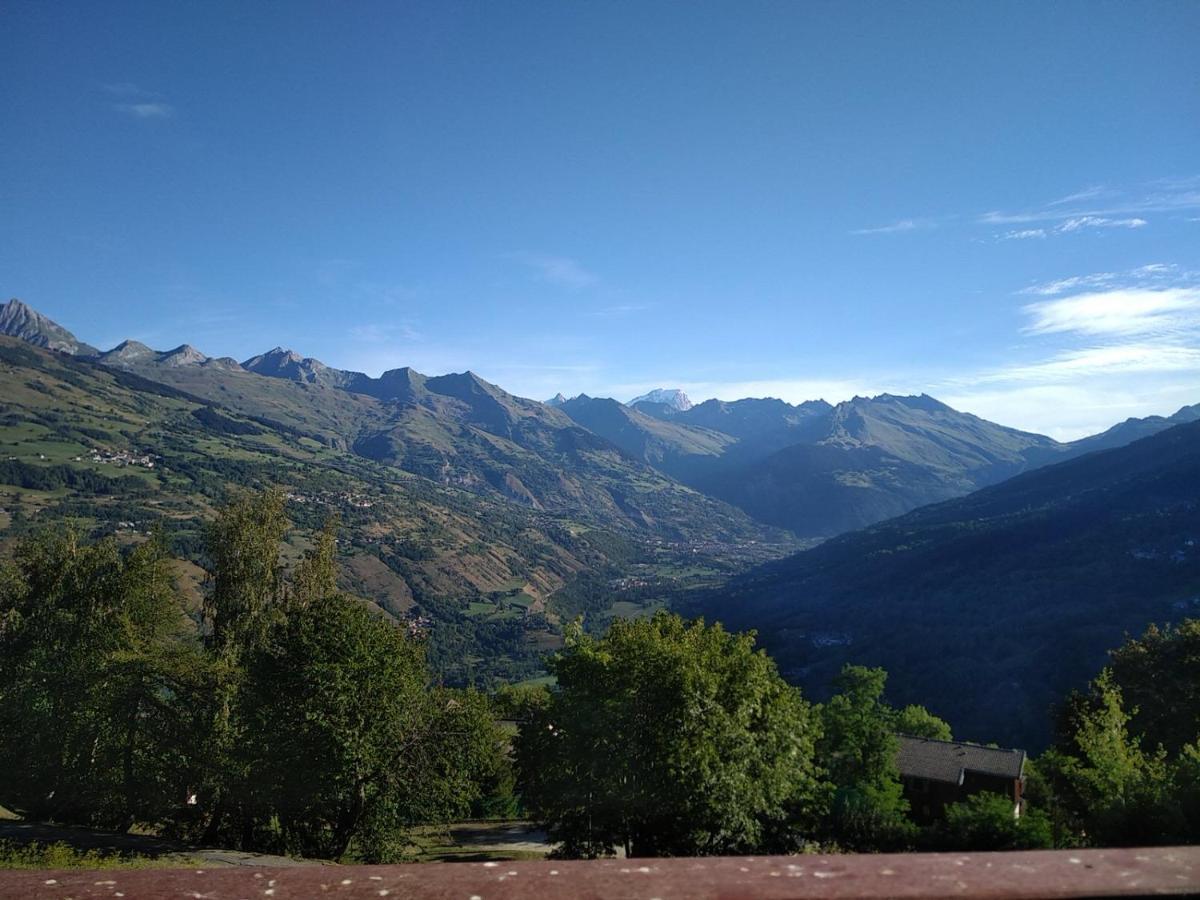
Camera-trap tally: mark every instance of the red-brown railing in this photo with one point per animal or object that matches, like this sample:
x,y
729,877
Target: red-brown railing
x,y
1060,873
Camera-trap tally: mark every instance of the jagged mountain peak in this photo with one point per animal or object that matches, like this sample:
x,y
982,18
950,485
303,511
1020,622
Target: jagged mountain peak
x,y
128,353
275,357
672,397
20,320
557,400
183,355
280,362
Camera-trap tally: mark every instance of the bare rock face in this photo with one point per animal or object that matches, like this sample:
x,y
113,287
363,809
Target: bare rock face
x,y
22,321
128,354
288,364
183,355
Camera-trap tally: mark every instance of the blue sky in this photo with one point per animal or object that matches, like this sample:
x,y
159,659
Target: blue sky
x,y
995,203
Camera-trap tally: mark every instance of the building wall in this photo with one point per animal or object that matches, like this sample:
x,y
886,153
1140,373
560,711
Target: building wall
x,y
928,799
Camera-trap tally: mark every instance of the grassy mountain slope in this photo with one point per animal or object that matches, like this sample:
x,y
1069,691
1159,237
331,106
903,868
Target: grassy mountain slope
x,y
988,607
490,579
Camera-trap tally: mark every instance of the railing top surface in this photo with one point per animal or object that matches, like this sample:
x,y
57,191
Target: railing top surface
x,y
1084,873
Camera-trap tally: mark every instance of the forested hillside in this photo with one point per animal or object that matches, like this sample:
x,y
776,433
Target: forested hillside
x,y
988,607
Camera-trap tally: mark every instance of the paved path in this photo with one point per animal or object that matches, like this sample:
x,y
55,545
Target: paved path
x,y
22,832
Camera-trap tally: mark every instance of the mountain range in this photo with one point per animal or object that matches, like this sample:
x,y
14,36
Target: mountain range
x,y
987,568
813,469
819,470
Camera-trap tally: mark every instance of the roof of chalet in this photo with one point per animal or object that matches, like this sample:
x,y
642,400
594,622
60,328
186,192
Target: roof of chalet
x,y
948,761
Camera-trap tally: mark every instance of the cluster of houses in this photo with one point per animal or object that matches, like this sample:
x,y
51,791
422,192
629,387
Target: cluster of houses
x,y
330,498
118,458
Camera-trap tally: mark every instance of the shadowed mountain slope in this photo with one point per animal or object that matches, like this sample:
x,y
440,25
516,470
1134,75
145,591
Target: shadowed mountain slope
x,y
988,607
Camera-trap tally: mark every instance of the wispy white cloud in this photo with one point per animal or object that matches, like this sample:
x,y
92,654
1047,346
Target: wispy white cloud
x,y
1120,311
1109,345
1073,224
897,227
154,110
1147,275
561,271
1081,222
1103,207
1110,360
1070,409
1088,193
136,101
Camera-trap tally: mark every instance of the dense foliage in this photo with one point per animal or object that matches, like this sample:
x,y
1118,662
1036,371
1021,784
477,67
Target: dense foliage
x,y
858,749
1121,773
297,722
668,738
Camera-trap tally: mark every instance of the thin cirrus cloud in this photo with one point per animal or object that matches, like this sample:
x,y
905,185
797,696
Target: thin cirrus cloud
x,y
1100,361
1075,223
1120,311
145,110
1094,209
137,102
903,225
1088,193
1099,348
560,271
1080,222
1103,207
1164,274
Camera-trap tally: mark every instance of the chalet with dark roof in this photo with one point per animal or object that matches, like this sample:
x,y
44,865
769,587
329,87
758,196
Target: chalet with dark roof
x,y
937,773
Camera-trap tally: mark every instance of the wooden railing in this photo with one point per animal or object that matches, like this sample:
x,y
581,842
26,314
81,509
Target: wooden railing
x,y
1059,873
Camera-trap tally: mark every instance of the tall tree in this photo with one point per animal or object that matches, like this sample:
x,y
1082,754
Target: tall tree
x,y
1159,678
244,604
247,577
96,664
346,740
858,749
669,738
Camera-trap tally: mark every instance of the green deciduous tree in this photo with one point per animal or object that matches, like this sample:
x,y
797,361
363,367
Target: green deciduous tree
x,y
920,722
97,673
346,738
1159,678
669,738
858,750
301,722
986,822
328,731
1106,782
247,577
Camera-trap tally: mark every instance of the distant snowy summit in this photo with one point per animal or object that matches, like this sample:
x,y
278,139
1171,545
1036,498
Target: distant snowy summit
x,y
672,397
557,400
